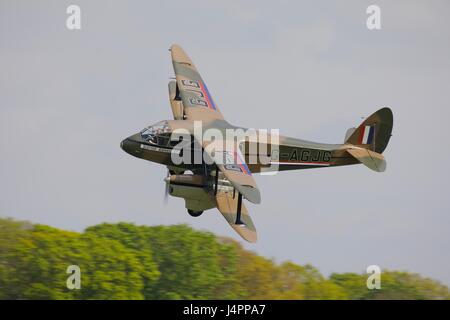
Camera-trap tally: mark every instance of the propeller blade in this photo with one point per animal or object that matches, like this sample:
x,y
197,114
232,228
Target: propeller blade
x,y
166,191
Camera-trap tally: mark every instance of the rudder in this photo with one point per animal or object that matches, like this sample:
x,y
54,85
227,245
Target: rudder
x,y
374,133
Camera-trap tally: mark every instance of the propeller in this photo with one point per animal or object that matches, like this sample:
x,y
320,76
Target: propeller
x,y
166,191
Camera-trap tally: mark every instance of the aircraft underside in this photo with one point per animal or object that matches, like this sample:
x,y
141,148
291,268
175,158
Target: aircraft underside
x,y
223,177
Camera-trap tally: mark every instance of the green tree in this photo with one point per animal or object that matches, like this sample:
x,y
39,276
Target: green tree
x,y
36,265
395,285
192,264
189,262
124,261
134,239
112,271
256,275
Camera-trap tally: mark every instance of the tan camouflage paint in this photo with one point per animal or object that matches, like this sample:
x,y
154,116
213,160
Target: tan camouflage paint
x,y
192,102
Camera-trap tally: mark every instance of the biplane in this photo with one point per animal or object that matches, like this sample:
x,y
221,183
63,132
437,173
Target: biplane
x,y
222,177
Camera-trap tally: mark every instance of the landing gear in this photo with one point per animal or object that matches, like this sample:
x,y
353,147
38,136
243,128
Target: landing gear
x,y
193,213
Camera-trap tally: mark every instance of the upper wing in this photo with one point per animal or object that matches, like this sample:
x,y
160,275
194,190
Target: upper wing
x,y
232,164
227,203
197,101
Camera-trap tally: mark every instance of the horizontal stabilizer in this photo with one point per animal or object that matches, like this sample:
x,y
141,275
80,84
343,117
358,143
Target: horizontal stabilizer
x,y
370,159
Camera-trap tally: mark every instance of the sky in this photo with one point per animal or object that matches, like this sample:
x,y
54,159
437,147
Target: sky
x,y
309,68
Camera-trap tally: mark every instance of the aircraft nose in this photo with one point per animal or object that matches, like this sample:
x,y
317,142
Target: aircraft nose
x,y
131,145
127,145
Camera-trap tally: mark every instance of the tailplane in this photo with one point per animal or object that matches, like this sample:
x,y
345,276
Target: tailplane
x,y
370,159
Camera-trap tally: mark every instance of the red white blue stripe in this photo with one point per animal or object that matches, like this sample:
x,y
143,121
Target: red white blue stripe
x,y
366,134
207,95
241,163
290,163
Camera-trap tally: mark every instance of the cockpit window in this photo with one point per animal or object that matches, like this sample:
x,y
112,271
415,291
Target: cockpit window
x,y
158,133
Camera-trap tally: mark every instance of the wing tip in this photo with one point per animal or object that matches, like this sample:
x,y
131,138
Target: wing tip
x,y
246,233
179,55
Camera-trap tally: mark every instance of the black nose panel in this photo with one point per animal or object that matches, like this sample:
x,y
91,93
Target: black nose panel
x,y
132,145
129,146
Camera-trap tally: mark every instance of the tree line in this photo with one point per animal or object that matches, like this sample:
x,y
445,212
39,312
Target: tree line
x,y
125,261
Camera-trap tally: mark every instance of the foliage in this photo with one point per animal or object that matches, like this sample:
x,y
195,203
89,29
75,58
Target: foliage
x,y
395,285
124,261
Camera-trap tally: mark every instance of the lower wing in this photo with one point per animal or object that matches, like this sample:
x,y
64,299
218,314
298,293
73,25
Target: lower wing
x,y
229,205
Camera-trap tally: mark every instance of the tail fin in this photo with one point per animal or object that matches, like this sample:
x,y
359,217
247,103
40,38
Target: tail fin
x,y
371,138
374,133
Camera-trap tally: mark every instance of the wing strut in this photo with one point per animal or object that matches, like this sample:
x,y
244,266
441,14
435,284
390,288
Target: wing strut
x,y
216,182
238,219
239,209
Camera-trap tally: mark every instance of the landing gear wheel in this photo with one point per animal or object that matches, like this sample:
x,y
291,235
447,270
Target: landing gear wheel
x,y
193,213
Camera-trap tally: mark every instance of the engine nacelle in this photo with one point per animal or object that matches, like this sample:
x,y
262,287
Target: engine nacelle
x,y
192,188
